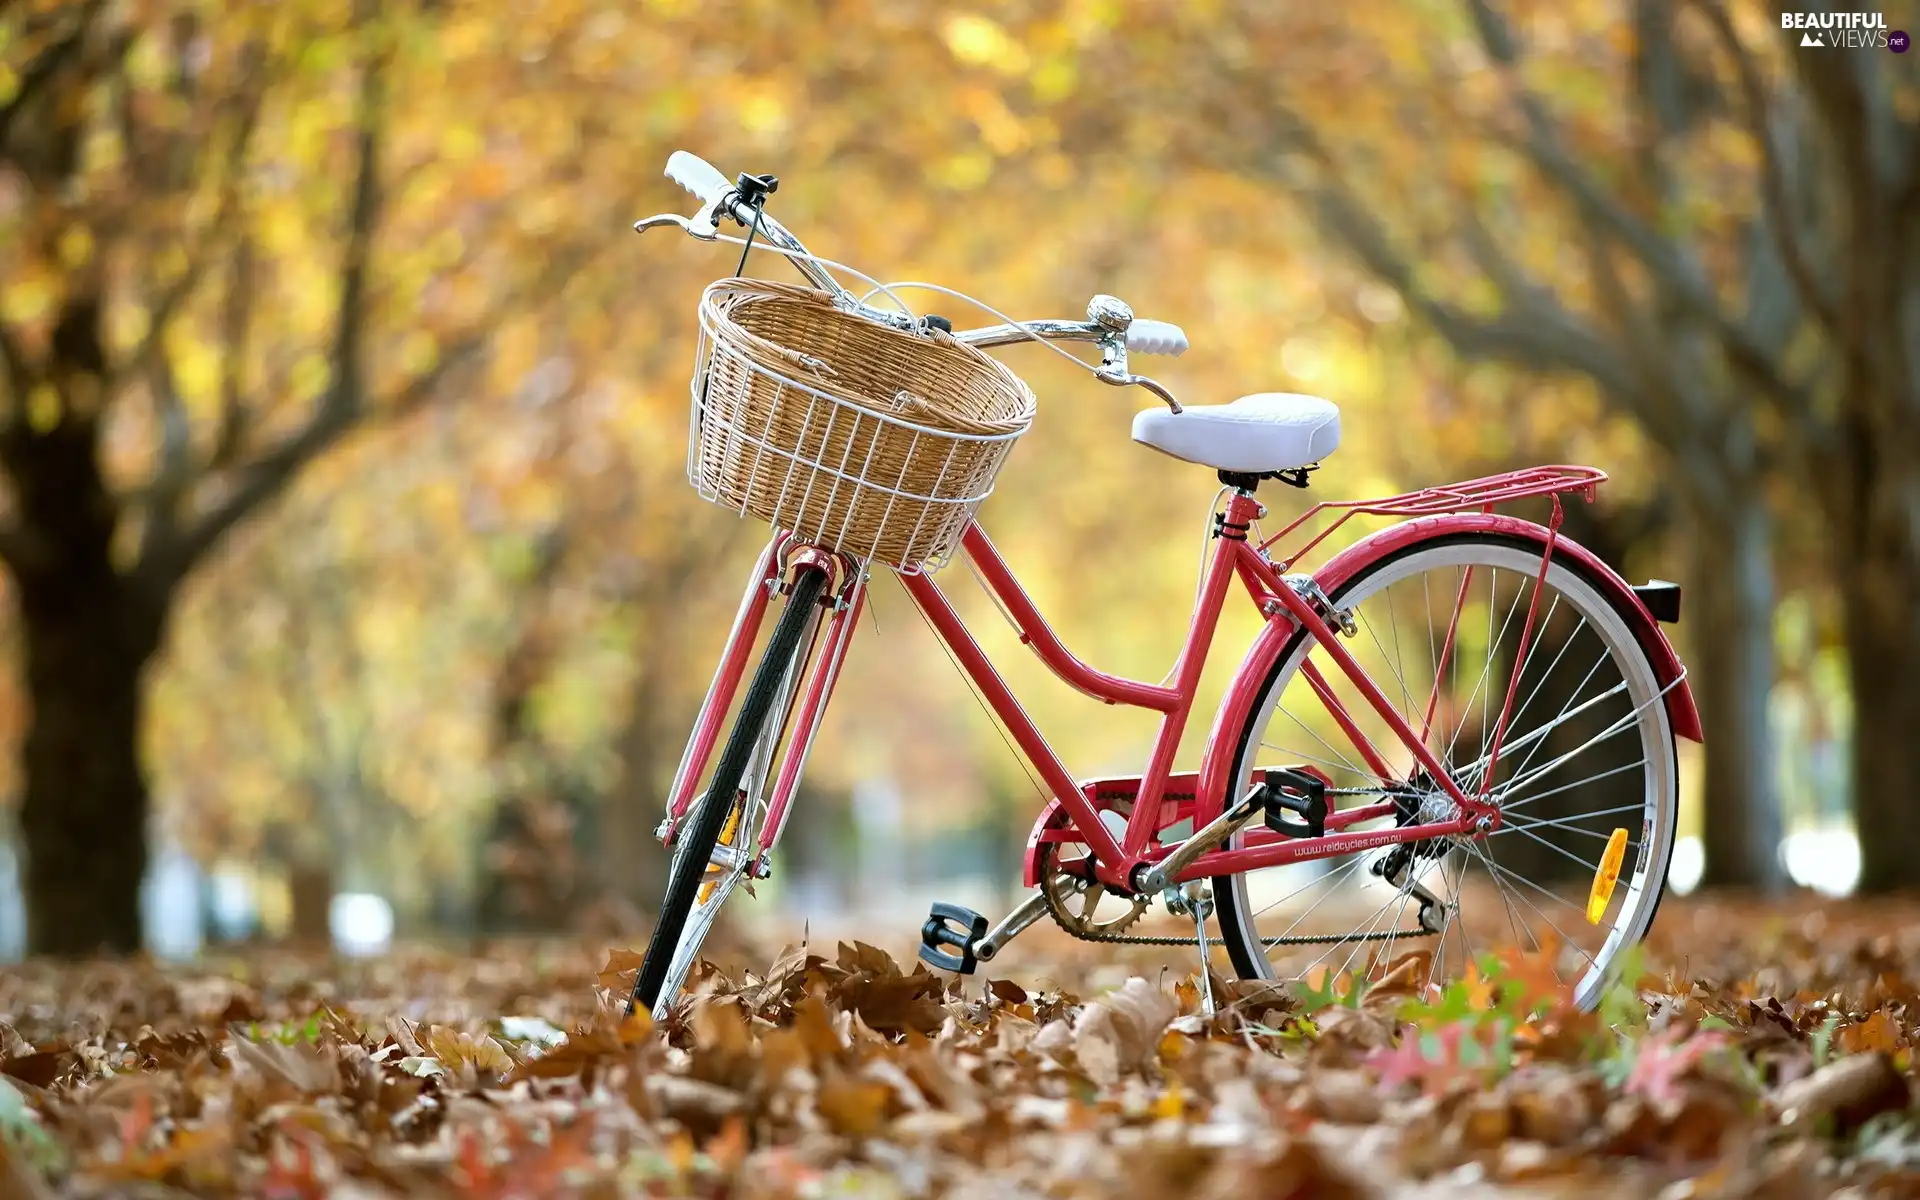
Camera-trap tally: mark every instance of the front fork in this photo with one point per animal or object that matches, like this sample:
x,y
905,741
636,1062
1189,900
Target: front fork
x,y
844,598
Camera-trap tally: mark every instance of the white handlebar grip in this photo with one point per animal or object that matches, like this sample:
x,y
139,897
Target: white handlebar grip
x,y
698,176
1156,337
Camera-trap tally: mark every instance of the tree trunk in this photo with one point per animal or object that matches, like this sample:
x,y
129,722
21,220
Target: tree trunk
x,y
1881,590
631,863
1730,624
84,808
88,630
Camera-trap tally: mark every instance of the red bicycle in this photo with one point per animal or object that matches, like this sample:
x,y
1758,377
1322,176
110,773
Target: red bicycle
x,y
1436,715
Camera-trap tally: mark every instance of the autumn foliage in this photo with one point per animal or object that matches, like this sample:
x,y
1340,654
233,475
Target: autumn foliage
x,y
841,1072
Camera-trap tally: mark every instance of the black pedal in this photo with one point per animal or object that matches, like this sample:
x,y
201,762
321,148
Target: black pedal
x,y
951,925
1300,793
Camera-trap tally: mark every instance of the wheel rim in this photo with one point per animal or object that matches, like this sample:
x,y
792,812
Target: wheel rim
x,y
1586,690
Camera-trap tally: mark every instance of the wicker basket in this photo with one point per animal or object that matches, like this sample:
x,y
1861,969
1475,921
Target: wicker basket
x,y
857,437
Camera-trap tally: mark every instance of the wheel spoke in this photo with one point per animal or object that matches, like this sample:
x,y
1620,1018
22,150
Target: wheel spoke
x,y
1473,769
1331,749
1624,723
1293,753
1453,911
1566,787
1406,693
1519,878
1567,823
1522,829
1485,669
1551,667
1392,662
1506,899
1323,877
1563,714
1358,936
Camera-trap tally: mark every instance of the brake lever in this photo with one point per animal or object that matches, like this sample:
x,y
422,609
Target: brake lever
x,y
1123,379
659,219
702,225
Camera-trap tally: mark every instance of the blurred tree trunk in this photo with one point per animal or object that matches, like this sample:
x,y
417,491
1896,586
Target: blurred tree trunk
x,y
1729,621
1864,449
88,628
310,890
84,804
631,863
530,875
1881,590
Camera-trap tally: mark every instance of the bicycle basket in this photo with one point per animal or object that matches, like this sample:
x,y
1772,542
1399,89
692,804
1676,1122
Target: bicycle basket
x,y
861,438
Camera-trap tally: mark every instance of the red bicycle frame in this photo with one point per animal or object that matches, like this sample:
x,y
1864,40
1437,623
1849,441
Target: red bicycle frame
x,y
1159,798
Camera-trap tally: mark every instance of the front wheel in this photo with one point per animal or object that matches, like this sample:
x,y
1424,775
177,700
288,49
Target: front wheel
x,y
712,853
1587,759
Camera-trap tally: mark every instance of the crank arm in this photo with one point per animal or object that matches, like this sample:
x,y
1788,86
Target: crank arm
x,y
1011,926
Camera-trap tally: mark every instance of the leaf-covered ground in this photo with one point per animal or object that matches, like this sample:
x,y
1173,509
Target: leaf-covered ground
x,y
1759,1051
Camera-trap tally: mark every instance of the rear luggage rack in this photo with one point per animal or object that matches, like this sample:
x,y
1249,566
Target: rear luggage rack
x,y
1481,495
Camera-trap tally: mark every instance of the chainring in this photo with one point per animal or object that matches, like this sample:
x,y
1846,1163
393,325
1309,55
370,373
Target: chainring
x,y
1073,897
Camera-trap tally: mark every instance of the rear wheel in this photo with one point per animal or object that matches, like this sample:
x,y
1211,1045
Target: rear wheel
x,y
713,850
1588,751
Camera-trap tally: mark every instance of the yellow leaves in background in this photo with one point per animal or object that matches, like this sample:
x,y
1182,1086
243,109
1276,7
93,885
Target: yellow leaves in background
x,y
30,297
762,112
76,246
43,408
978,41
1002,132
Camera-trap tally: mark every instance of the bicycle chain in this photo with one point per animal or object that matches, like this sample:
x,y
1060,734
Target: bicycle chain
x,y
1298,939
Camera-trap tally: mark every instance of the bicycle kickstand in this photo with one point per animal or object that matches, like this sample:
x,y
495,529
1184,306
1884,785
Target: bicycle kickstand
x,y
1196,900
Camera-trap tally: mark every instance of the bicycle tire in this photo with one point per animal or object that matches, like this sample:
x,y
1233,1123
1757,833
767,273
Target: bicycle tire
x,y
701,836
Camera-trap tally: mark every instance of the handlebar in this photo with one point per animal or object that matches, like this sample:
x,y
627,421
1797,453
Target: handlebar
x,y
698,176
719,198
1110,322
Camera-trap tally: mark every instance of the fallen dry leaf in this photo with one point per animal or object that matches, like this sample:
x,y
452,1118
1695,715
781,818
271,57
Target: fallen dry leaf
x,y
1847,1093
1120,1033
